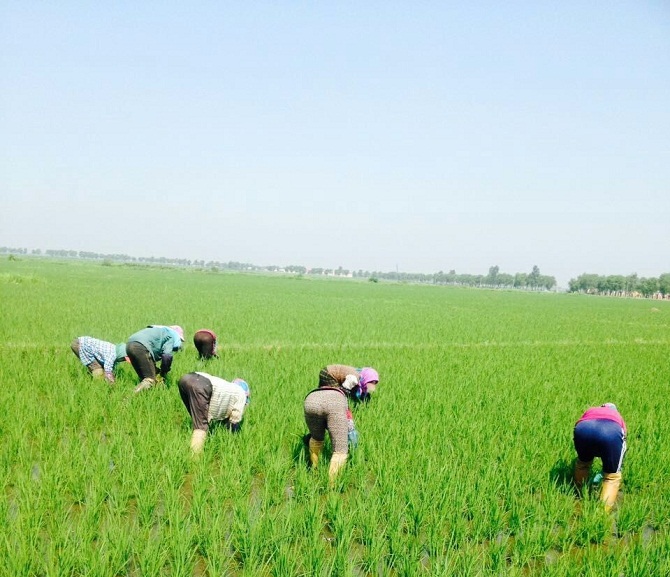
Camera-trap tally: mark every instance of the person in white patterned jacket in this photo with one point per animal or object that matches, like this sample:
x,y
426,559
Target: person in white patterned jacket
x,y
209,399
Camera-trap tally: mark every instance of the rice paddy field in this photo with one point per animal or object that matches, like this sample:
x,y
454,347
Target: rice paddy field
x,y
465,456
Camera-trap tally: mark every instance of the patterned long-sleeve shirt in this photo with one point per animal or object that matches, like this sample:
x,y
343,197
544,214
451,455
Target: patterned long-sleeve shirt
x,y
228,400
107,354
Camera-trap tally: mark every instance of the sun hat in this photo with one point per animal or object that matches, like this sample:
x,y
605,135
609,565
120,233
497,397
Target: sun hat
x,y
244,386
177,329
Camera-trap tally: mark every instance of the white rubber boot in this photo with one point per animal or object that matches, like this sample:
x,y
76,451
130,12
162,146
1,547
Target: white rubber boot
x,y
336,463
145,384
198,441
315,448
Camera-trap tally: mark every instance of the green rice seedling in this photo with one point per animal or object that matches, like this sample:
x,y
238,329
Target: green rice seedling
x,y
151,553
215,543
181,537
285,562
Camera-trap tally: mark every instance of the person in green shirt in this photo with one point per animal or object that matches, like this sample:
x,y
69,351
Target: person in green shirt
x,y
150,345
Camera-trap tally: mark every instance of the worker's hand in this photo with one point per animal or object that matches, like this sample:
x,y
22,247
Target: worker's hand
x,y
110,378
234,427
166,363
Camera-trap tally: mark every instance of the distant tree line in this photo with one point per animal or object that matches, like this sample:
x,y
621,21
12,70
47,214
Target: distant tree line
x,y
612,285
619,285
494,279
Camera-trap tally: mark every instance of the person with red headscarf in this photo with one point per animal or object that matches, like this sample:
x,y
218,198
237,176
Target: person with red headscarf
x,y
205,341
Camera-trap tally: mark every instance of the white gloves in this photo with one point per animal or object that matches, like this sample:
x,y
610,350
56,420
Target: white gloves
x,y
350,382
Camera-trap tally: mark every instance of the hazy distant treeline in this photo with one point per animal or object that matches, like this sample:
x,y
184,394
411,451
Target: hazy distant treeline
x,y
619,285
533,280
612,285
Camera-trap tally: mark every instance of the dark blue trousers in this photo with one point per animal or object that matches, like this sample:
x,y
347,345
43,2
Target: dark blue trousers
x,y
601,438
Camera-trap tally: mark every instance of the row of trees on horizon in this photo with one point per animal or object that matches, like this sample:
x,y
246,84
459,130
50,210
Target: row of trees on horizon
x,y
618,285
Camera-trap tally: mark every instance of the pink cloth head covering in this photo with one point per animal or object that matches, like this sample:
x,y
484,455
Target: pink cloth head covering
x,y
245,387
177,329
368,374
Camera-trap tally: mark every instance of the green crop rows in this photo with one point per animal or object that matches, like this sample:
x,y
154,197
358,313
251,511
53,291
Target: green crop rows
x,y
465,457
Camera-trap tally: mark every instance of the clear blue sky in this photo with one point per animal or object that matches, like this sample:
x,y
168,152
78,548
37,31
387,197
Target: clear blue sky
x,y
422,136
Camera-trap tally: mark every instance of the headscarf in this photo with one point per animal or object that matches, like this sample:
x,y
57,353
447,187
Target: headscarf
x,y
244,386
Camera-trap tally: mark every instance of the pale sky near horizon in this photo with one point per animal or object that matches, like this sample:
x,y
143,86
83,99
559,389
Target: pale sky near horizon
x,y
418,136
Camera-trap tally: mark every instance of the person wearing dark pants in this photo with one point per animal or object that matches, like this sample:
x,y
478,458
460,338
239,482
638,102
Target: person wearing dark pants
x,y
208,399
601,432
150,345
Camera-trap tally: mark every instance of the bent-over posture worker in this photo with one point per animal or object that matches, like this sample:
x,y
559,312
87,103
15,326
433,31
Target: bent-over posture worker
x,y
327,408
99,357
205,341
207,399
359,383
150,345
601,432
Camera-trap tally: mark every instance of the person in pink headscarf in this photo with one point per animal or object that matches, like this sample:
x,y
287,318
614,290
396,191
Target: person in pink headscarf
x,y
326,409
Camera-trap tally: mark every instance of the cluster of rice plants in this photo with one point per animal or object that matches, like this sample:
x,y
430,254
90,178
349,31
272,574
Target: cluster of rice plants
x,y
465,456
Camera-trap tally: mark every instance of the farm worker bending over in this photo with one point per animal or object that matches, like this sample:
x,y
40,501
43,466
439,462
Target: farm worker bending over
x,y
207,399
150,345
326,408
205,341
601,432
358,383
100,357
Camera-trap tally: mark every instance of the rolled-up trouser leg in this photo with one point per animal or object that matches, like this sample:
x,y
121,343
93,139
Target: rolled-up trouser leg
x,y
142,361
196,393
